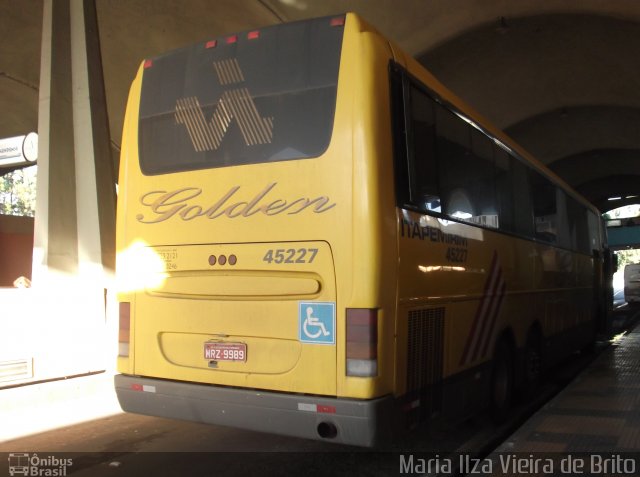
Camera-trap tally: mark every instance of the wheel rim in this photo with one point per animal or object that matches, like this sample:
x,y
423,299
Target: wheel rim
x,y
533,365
501,384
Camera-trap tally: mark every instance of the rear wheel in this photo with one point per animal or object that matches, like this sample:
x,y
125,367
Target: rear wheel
x,y
533,362
501,382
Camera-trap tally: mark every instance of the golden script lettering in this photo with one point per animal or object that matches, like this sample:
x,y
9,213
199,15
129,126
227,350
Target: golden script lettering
x,y
180,202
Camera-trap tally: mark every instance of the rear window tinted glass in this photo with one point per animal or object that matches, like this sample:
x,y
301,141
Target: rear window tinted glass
x,y
241,99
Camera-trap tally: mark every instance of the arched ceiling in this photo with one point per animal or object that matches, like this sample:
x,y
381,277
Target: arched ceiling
x,y
562,85
560,76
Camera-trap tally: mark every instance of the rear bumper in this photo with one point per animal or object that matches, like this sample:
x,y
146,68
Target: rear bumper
x,y
358,422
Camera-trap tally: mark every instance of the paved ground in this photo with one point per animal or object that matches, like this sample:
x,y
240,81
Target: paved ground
x,y
35,408
598,412
80,419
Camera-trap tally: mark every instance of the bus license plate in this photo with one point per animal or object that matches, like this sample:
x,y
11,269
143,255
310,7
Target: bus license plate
x,y
218,351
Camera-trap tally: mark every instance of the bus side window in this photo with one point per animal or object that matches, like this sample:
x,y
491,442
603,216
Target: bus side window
x,y
504,193
453,147
423,164
544,207
400,126
563,225
479,177
522,204
594,230
578,228
467,170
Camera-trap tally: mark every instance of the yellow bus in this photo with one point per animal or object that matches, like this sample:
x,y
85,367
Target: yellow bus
x,y
316,238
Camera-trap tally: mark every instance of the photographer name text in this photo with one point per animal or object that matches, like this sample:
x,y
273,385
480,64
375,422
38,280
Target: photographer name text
x,y
519,464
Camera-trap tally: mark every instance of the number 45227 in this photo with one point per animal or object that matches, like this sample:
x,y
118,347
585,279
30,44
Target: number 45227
x,y
290,255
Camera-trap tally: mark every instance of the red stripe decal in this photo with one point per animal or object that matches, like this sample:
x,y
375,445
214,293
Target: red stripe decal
x,y
490,299
486,315
493,300
503,287
481,312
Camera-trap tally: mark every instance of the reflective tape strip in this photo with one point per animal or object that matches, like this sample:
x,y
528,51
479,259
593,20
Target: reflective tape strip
x,y
302,406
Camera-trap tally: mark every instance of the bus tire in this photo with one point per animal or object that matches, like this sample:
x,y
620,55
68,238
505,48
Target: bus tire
x,y
533,362
501,382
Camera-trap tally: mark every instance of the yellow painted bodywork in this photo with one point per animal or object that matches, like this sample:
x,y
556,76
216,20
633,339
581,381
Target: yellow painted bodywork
x,y
544,286
177,306
179,301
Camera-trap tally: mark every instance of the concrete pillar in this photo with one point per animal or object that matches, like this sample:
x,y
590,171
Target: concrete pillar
x,y
75,205
55,229
74,230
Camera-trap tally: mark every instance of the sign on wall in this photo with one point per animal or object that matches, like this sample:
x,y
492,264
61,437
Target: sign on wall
x,y
18,150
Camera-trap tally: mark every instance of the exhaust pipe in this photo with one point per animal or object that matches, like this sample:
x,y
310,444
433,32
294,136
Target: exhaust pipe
x,y
327,430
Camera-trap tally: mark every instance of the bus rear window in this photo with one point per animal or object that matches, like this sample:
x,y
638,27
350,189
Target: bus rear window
x,y
255,97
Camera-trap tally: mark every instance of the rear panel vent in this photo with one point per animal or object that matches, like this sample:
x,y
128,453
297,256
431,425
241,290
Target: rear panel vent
x,y
425,357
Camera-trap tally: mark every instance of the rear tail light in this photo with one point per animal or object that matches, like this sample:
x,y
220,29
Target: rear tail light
x,y
124,332
362,342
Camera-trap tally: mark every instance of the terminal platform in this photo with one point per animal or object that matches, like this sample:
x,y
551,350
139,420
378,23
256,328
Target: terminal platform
x,y
598,412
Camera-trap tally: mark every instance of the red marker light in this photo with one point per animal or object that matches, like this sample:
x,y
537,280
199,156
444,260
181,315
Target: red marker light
x,y
252,35
338,21
362,342
148,64
232,39
124,328
211,44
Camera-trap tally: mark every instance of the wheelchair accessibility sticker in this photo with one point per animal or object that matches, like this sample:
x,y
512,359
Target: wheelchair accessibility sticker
x,y
317,322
